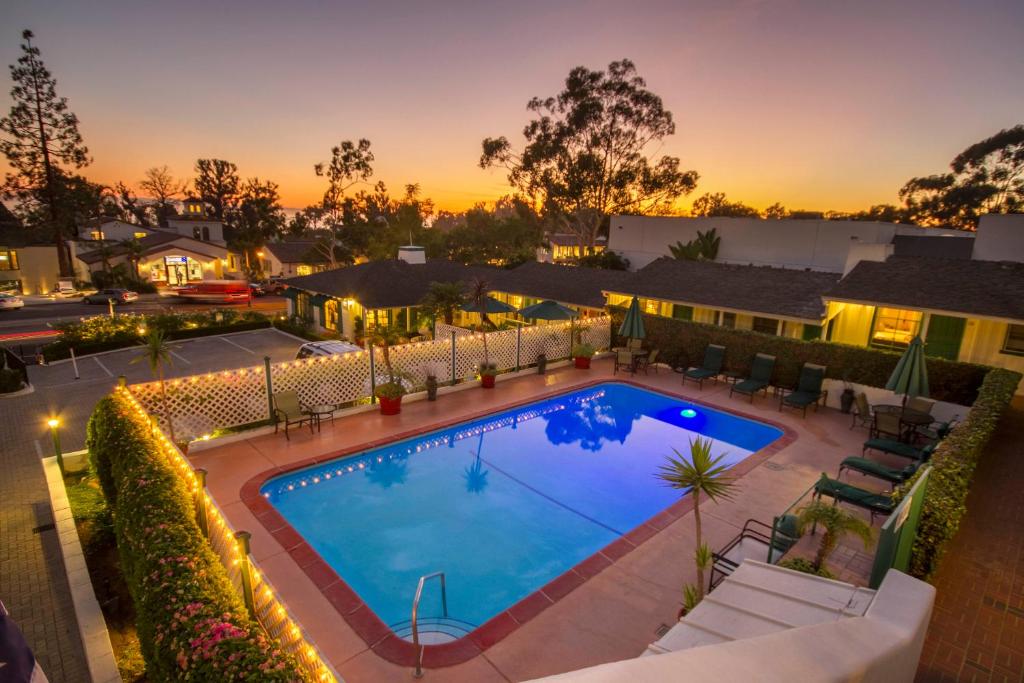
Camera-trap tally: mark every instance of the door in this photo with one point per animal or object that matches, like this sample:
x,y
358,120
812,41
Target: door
x,y
945,332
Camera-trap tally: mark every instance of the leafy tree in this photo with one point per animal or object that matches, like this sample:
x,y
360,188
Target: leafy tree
x,y
836,523
351,163
887,213
79,200
607,259
807,215
700,475
40,134
987,177
258,219
217,184
704,247
163,189
442,300
776,212
133,253
131,209
507,234
156,352
716,204
590,152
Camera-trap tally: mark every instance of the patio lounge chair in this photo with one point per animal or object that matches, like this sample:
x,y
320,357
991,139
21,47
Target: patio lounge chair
x,y
808,389
288,409
645,363
874,503
714,355
760,377
862,412
624,360
756,542
904,450
872,468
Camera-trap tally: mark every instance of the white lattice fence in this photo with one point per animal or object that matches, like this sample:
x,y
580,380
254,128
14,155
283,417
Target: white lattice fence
x,y
444,331
202,404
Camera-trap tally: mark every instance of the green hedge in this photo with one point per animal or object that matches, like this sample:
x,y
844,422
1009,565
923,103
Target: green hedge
x,y
681,343
953,466
191,623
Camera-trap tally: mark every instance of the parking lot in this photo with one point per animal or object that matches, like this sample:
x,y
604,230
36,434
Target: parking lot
x,y
188,357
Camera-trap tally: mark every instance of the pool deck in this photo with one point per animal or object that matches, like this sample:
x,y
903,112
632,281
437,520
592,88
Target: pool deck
x,y
606,609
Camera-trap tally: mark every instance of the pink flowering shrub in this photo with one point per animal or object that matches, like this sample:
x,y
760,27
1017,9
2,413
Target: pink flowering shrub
x,y
191,622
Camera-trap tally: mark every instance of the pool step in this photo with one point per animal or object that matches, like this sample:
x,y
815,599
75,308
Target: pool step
x,y
434,630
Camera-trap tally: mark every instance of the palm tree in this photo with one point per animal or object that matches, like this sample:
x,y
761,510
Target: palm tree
x,y
443,299
479,295
134,252
836,522
157,353
701,475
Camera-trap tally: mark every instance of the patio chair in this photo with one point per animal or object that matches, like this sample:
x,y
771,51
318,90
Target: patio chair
x,y
874,503
624,360
872,468
635,344
760,377
921,405
288,409
886,425
714,355
756,542
937,432
862,413
808,389
899,448
646,362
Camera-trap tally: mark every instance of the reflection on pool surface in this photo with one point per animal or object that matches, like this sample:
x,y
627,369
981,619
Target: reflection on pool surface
x,y
502,504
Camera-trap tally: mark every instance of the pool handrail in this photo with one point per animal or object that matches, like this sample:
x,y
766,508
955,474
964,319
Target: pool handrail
x,y
418,673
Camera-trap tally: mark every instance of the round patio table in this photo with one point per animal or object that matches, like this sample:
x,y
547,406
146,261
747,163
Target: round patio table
x,y
914,418
319,412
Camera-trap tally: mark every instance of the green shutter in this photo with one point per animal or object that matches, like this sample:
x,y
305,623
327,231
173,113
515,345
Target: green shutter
x,y
811,332
680,312
945,332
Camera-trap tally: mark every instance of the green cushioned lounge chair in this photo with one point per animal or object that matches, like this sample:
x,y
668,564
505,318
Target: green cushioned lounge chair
x,y
714,355
873,468
874,503
808,390
760,377
904,450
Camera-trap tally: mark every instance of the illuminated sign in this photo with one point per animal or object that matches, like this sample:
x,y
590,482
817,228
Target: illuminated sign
x,y
172,260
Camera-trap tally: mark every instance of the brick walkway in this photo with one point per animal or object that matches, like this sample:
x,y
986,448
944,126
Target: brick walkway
x,y
33,584
977,629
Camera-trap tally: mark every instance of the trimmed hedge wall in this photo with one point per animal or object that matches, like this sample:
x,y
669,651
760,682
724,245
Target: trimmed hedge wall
x,y
953,466
192,625
681,343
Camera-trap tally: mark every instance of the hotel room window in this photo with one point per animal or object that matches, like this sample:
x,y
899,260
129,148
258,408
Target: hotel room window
x,y
727,320
303,269
766,325
1014,342
895,327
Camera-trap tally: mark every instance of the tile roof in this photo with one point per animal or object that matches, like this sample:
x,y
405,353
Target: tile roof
x,y
154,241
572,285
296,251
985,288
758,289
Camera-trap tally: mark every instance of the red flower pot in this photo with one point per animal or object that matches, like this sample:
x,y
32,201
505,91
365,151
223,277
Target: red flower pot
x,y
582,362
487,381
390,406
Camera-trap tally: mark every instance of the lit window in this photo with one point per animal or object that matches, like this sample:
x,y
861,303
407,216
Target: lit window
x,y
1014,339
96,234
766,325
304,270
140,235
651,306
8,260
895,327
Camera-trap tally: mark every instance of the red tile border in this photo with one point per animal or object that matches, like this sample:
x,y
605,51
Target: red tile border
x,y
379,637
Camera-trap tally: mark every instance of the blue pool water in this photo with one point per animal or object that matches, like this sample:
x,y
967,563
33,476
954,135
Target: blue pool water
x,y
502,504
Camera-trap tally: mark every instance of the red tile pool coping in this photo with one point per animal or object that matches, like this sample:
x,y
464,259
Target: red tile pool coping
x,y
379,637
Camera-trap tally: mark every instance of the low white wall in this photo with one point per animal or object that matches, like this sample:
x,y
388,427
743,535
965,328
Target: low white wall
x,y
942,411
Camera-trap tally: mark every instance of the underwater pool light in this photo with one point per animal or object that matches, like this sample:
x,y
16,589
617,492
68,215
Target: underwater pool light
x,y
688,412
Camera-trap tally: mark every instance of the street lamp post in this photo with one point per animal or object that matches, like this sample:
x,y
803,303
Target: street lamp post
x,y
54,424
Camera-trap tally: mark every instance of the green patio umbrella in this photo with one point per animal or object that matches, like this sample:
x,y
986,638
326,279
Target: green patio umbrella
x,y
491,305
548,310
633,324
910,377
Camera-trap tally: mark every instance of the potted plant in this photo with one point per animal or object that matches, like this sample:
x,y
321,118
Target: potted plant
x,y
836,522
431,370
389,393
488,371
847,397
581,354
542,363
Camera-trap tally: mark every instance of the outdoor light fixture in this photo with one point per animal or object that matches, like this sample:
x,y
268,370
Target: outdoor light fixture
x,y
53,423
688,412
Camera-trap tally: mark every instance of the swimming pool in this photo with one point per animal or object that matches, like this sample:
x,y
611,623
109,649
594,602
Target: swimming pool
x,y
503,504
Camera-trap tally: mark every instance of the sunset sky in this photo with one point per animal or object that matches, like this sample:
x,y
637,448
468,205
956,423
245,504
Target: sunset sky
x,y
819,105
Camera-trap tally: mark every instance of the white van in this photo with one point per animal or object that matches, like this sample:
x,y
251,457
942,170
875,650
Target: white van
x,y
325,348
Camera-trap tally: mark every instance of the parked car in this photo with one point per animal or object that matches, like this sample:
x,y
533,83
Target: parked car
x,y
257,289
9,302
325,348
273,285
120,296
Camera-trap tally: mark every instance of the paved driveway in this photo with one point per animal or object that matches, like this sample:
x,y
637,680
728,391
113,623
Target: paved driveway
x,y
33,585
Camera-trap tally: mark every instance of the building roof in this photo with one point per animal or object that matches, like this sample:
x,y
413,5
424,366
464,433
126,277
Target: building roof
x,y
933,246
388,284
153,242
296,251
784,292
572,285
984,288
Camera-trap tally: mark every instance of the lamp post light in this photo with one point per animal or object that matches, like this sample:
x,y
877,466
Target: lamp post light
x,y
54,424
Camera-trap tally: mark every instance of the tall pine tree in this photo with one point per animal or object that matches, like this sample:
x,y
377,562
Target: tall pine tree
x,y
40,135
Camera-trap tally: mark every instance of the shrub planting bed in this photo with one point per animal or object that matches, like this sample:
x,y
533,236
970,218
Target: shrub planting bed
x,y
681,343
191,623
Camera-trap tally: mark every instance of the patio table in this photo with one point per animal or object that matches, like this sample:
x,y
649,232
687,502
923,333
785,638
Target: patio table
x,y
908,416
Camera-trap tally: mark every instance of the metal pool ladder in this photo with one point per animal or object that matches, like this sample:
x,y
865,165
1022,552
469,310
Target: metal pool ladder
x,y
418,673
